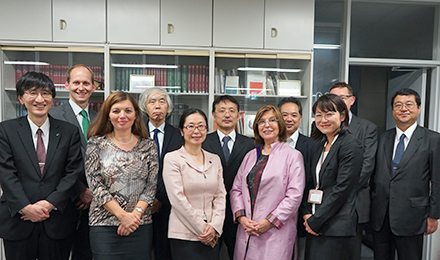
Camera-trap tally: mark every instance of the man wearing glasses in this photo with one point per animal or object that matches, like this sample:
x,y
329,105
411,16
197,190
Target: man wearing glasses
x,y
406,183
231,147
366,132
40,163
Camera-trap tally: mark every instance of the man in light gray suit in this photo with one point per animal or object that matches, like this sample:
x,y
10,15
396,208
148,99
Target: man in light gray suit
x,y
76,111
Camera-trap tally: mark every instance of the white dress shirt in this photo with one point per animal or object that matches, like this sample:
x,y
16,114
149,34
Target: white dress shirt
x,y
231,142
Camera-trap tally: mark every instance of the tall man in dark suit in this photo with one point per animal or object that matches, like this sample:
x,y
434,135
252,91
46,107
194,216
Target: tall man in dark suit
x,y
157,104
366,133
40,163
406,183
76,111
291,109
231,147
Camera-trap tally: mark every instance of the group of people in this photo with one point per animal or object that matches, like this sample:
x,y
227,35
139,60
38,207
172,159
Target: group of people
x,y
123,183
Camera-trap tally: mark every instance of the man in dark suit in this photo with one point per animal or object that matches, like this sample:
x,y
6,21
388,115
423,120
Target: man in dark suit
x,y
406,183
231,147
157,104
76,111
291,109
366,133
40,163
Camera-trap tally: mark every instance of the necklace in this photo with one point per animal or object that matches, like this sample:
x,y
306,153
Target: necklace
x,y
113,135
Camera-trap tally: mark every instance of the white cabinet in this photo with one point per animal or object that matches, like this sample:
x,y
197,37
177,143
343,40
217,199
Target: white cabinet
x,y
238,23
186,23
289,24
25,20
79,21
133,21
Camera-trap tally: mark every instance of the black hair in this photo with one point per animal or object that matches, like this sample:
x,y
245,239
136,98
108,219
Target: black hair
x,y
407,92
189,112
224,98
34,80
293,100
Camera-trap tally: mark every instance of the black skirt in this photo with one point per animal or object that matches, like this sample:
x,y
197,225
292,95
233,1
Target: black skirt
x,y
193,250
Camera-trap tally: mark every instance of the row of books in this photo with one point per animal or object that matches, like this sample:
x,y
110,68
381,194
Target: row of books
x,y
183,79
255,83
21,109
58,73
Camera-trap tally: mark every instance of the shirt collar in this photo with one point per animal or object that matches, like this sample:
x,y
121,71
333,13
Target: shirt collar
x,y
45,127
152,127
232,134
350,116
77,109
294,136
408,133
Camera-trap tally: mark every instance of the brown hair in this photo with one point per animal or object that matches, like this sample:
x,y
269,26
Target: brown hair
x,y
84,66
281,124
342,85
102,125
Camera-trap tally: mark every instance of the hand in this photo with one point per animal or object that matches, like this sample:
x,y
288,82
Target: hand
x,y
306,225
263,226
122,231
130,221
249,226
35,213
208,235
85,198
46,204
156,206
432,225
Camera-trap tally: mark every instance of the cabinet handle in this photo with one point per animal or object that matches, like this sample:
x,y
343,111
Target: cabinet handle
x,y
273,32
63,24
170,28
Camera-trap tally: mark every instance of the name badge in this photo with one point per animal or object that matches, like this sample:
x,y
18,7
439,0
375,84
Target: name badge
x,y
315,196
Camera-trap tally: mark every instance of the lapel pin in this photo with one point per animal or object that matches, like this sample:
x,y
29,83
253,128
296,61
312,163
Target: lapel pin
x,y
210,162
58,134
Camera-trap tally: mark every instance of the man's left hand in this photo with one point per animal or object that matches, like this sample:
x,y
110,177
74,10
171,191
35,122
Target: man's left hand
x,y
432,225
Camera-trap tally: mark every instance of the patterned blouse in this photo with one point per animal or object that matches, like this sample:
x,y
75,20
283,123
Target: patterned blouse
x,y
254,178
123,176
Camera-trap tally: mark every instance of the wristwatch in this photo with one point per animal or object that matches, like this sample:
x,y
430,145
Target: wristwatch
x,y
139,209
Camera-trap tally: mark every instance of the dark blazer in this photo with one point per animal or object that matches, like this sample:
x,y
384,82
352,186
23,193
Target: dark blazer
x,y
366,133
242,146
65,112
172,141
23,184
413,193
339,175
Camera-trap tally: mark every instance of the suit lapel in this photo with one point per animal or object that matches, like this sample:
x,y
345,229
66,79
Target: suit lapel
x,y
70,117
214,143
330,154
166,141
24,131
354,125
236,149
388,148
54,139
316,161
300,143
413,145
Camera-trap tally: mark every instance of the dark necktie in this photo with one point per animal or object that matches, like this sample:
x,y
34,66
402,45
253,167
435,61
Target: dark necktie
x,y
156,140
85,123
41,151
400,149
225,147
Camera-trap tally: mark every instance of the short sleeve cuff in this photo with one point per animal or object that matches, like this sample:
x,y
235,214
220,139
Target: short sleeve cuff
x,y
275,221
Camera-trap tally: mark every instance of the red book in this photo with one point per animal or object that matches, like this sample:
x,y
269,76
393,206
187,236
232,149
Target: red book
x,y
18,72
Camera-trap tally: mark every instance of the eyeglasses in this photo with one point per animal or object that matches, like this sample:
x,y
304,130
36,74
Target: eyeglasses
x,y
34,94
199,127
162,101
224,111
344,97
399,106
270,121
319,116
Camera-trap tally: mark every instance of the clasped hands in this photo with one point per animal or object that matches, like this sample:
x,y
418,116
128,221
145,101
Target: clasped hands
x,y
130,221
306,225
208,237
254,228
37,212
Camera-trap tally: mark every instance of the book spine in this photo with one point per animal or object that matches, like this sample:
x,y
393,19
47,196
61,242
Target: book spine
x,y
185,79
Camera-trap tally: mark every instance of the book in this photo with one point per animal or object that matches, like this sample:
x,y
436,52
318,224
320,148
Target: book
x,y
231,84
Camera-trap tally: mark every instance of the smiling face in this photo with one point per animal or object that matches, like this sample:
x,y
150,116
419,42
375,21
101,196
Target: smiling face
x,y
122,115
226,116
80,86
195,136
157,107
37,103
268,127
328,122
405,111
291,116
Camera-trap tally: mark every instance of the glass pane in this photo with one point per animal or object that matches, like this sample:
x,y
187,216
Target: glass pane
x,y
385,30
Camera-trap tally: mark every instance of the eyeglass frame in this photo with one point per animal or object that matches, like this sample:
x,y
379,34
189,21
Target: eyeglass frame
x,y
269,121
196,127
408,105
42,93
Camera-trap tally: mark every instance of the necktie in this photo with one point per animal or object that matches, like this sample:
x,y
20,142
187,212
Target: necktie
x,y
156,140
400,149
41,151
85,122
225,147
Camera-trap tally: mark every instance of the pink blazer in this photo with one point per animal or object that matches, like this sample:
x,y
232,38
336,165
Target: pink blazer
x,y
193,193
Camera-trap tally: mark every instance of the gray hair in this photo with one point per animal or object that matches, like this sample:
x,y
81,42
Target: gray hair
x,y
146,95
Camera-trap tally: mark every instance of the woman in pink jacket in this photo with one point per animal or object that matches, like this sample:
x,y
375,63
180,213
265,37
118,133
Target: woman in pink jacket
x,y
267,192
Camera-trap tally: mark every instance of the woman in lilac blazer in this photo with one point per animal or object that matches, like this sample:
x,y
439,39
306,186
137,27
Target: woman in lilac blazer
x,y
267,192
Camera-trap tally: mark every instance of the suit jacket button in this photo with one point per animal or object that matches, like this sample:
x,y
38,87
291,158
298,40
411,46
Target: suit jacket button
x,y
42,183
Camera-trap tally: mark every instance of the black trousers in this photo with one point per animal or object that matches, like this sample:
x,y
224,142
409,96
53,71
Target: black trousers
x,y
330,248
386,243
161,243
38,245
81,242
229,232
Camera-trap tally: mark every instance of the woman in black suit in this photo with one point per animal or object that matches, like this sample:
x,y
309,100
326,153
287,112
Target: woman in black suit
x,y
328,208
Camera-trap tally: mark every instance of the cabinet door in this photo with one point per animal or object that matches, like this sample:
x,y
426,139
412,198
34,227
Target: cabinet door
x,y
133,21
289,24
186,23
238,23
25,20
79,21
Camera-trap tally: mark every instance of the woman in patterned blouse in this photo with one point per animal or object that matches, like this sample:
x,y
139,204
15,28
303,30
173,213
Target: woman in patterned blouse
x,y
121,169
